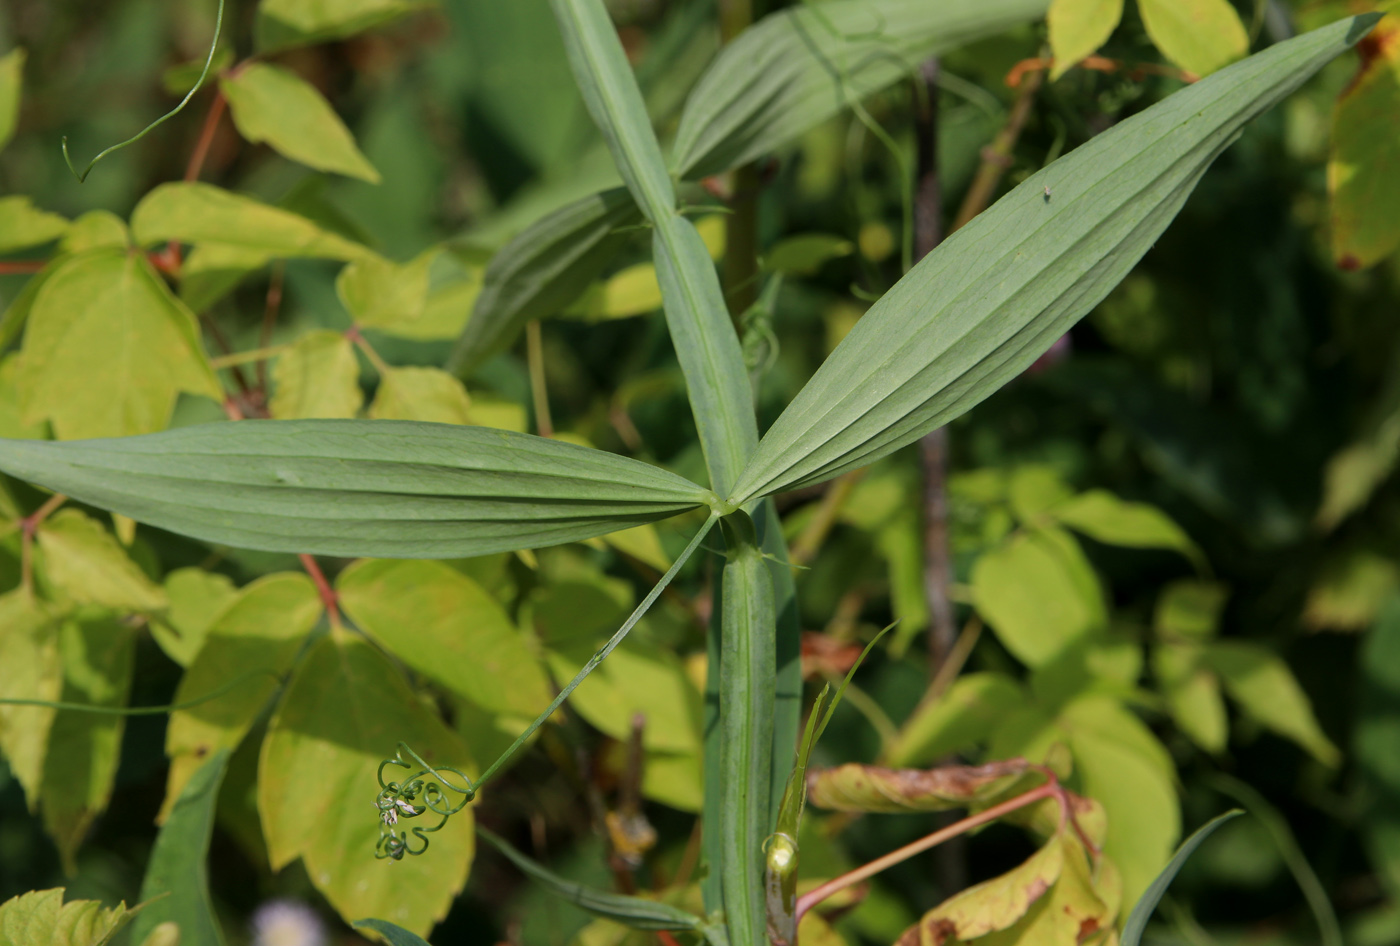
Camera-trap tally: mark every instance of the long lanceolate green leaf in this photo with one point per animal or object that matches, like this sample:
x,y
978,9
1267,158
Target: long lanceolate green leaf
x,y
176,887
386,489
1145,907
799,67
543,270
989,301
705,342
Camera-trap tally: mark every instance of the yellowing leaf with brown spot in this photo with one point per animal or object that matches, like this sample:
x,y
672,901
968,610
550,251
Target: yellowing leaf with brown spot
x,y
992,905
1072,913
427,394
85,564
317,377
99,326
855,787
1078,28
1200,36
344,712
1361,175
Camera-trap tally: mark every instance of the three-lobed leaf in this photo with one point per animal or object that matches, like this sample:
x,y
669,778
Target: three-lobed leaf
x,y
343,713
1200,36
23,225
96,324
318,376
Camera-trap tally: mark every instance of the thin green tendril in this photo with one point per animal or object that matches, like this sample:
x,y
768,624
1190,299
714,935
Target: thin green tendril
x,y
218,27
413,797
417,796
144,710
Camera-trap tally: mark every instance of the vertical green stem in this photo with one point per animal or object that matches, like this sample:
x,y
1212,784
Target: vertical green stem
x,y
747,678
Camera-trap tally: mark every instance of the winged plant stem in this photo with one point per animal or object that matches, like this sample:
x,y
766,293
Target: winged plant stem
x,y
747,682
739,750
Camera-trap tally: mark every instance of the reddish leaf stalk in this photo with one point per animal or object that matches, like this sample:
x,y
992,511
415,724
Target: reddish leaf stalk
x,y
1050,789
206,137
22,266
329,599
29,525
996,157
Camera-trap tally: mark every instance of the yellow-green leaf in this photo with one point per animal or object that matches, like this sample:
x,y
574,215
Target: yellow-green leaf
x,y
385,295
256,637
573,618
12,423
1200,36
317,376
212,270
96,230
806,253
442,624
196,598
1349,593
285,23
21,223
274,105
1034,490
1120,763
344,712
41,918
964,716
11,81
29,670
1365,153
201,213
1193,695
84,748
993,904
428,394
1190,610
642,543
1264,686
1039,594
1105,518
1078,28
85,564
97,326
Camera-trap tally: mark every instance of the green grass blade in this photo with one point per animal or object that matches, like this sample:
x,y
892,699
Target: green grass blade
x,y
747,675
543,270
633,912
800,66
384,489
1142,912
393,935
698,319
978,310
176,887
